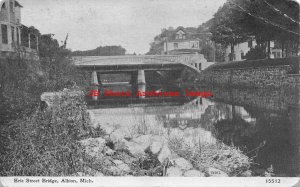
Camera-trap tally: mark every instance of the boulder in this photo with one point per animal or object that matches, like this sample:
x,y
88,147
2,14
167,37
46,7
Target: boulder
x,y
156,146
121,166
117,135
174,172
109,152
182,163
93,146
143,140
213,172
193,173
134,148
164,153
49,98
247,173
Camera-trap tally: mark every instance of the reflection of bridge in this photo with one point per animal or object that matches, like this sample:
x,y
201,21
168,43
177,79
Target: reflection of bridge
x,y
137,65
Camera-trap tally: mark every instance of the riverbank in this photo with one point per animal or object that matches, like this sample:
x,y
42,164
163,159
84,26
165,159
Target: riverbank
x,y
62,139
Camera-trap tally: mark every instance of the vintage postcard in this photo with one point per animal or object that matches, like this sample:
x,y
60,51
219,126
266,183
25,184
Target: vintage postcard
x,y
149,93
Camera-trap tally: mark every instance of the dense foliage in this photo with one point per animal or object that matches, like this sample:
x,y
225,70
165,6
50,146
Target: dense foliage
x,y
45,143
22,81
263,20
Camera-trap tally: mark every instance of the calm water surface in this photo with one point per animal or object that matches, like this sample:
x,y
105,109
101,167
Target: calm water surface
x,y
264,124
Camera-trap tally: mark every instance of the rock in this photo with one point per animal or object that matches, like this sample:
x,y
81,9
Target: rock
x,y
164,153
124,167
247,173
134,148
49,98
115,170
109,152
182,163
117,135
174,172
98,174
193,173
156,146
120,145
121,166
80,174
213,172
144,141
117,162
93,146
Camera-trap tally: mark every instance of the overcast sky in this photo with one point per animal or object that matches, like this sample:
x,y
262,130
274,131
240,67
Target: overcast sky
x,y
129,23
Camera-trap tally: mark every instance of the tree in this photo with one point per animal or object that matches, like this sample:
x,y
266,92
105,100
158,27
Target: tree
x,y
265,20
225,28
102,51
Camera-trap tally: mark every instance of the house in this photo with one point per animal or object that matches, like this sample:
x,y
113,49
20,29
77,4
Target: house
x,y
181,40
16,39
241,49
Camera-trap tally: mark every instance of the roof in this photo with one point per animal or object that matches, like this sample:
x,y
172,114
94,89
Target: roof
x,y
171,34
18,4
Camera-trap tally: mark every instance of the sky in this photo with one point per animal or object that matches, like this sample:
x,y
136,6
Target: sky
x,y
130,23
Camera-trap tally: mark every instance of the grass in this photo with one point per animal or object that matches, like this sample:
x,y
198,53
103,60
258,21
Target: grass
x,y
44,144
220,156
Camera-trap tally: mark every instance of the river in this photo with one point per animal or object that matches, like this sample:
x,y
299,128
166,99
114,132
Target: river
x,y
264,124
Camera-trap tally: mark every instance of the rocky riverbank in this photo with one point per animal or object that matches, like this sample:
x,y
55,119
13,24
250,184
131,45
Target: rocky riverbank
x,y
63,138
155,152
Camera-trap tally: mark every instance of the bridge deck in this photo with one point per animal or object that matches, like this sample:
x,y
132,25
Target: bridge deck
x,y
130,63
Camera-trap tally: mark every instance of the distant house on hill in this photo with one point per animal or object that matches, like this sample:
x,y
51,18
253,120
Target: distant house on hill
x,y
241,49
182,40
15,38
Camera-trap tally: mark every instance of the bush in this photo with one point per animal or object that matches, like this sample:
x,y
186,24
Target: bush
x,y
256,53
45,143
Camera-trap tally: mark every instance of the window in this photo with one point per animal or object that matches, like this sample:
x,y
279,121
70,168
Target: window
x,y
11,6
177,36
183,37
250,45
175,45
4,34
193,45
196,45
180,36
13,34
18,37
242,55
3,7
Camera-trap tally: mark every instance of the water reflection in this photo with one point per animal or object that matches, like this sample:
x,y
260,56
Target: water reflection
x,y
265,127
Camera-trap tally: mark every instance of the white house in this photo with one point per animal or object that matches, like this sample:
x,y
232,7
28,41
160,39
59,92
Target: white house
x,y
15,37
181,40
241,49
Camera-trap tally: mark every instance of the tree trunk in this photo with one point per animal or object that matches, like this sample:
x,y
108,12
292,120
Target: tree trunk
x,y
282,48
269,49
232,52
286,49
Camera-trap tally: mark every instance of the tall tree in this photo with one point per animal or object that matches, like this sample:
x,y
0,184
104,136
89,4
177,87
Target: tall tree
x,y
266,20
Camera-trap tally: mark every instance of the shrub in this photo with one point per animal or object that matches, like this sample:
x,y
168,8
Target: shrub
x,y
45,143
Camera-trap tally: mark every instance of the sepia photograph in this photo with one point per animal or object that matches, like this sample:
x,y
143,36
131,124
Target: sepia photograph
x,y
149,93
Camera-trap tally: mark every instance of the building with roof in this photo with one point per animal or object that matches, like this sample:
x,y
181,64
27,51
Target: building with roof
x,y
183,40
16,39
